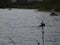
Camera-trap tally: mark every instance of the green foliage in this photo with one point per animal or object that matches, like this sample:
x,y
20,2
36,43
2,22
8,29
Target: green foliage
x,y
45,5
52,4
5,3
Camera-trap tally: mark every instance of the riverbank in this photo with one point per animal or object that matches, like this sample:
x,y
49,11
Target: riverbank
x,y
37,9
39,6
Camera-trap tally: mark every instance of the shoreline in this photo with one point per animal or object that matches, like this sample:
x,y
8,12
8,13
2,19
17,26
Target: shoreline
x,y
29,9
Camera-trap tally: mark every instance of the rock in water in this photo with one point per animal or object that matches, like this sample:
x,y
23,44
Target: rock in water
x,y
53,14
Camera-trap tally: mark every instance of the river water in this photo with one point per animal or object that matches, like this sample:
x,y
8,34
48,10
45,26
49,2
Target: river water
x,y
18,25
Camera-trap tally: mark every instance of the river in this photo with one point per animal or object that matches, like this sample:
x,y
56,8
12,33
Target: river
x,y
18,25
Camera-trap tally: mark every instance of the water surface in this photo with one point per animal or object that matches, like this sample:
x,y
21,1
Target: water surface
x,y
18,25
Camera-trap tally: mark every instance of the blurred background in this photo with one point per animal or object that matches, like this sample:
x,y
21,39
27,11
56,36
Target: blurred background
x,y
31,4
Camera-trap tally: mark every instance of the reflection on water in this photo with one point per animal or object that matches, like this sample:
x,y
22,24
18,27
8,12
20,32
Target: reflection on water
x,y
21,26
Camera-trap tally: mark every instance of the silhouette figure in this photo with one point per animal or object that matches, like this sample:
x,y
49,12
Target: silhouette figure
x,y
42,24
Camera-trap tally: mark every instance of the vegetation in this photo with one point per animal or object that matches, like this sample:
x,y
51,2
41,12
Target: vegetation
x,y
45,5
52,4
